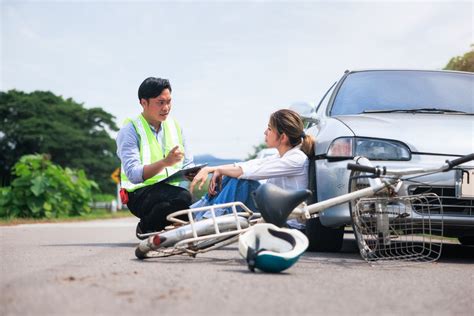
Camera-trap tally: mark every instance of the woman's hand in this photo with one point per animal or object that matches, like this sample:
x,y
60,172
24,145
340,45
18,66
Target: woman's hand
x,y
200,178
215,184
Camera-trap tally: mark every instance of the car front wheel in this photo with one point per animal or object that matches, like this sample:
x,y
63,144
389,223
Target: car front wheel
x,y
322,238
466,240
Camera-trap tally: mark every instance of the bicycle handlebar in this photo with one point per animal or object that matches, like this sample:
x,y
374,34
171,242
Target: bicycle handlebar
x,y
377,171
361,168
455,162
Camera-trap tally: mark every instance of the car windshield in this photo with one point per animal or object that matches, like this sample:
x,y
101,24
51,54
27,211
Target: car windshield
x,y
398,91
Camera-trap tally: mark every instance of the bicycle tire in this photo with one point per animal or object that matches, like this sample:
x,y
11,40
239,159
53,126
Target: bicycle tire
x,y
201,247
182,239
366,250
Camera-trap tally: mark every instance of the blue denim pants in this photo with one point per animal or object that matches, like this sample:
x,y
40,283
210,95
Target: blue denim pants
x,y
233,190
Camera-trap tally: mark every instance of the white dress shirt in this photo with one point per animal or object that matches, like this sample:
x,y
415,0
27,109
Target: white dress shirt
x,y
289,172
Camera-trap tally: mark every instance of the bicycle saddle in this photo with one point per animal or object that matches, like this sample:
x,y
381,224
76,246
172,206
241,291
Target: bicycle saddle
x,y
275,204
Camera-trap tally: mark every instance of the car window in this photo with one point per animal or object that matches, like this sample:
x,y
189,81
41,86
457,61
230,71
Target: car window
x,y
326,97
404,90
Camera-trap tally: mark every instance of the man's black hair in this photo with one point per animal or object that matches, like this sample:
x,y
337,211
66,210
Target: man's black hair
x,y
152,87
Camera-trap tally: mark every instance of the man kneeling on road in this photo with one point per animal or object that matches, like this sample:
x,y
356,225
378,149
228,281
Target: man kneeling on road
x,y
150,148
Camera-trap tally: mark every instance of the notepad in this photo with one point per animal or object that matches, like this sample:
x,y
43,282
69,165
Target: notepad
x,y
180,175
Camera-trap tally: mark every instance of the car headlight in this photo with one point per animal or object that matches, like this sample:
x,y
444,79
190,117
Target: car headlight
x,y
372,148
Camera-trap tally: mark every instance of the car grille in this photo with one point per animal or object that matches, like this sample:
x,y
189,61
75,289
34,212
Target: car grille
x,y
451,205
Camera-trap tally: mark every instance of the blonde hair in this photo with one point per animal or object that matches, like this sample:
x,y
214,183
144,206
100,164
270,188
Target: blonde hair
x,y
289,122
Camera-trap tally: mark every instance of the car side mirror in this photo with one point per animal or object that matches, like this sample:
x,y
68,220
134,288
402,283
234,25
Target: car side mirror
x,y
312,118
306,111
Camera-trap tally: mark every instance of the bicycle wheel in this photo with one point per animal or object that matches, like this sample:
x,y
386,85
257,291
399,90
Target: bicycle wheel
x,y
398,228
357,183
193,238
159,253
362,226
190,249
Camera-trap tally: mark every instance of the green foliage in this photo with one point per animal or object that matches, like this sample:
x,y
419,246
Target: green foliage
x,y
43,189
74,137
256,149
103,197
462,63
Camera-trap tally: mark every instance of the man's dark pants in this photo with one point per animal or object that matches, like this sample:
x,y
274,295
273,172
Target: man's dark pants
x,y
154,202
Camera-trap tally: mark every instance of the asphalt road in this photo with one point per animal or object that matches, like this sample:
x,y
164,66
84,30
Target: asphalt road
x,y
89,268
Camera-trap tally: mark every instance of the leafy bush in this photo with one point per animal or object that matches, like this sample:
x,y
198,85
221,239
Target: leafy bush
x,y
103,197
43,189
198,194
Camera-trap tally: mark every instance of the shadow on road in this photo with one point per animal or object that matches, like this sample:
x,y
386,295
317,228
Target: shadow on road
x,y
203,258
348,256
453,253
95,244
235,264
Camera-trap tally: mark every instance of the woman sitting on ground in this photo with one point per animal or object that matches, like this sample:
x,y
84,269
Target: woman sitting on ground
x,y
288,169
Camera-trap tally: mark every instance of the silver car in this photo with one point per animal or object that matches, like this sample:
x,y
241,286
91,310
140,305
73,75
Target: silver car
x,y
397,118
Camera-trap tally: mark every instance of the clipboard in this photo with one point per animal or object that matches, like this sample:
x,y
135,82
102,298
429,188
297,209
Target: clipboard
x,y
181,174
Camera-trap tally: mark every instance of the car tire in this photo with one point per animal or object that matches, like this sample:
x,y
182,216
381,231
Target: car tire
x,y
322,238
466,240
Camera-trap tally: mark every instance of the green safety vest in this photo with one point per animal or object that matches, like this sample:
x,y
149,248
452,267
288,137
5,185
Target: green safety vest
x,y
151,150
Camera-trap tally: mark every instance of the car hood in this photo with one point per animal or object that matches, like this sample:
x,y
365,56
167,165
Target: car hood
x,y
447,134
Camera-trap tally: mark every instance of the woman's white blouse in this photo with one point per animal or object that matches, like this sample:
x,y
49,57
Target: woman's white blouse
x,y
289,172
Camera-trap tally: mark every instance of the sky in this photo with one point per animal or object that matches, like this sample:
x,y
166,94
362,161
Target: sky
x,y
230,63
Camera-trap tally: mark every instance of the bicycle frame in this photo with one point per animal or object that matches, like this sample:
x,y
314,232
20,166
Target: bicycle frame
x,y
186,239
214,227
191,236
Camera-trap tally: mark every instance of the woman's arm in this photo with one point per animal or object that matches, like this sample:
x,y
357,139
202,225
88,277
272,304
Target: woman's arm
x,y
229,170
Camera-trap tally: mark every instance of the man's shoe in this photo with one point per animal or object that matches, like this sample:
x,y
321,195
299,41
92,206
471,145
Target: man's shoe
x,y
139,231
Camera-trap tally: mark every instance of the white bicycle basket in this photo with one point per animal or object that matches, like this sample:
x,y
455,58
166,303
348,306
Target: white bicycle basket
x,y
406,229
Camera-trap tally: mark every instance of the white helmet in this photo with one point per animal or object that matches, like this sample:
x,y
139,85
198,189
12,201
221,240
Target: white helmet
x,y
271,249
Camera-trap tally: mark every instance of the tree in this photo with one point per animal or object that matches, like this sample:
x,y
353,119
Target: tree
x,y
74,137
462,63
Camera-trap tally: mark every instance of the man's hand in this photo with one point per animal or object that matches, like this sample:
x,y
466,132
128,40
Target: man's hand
x,y
173,157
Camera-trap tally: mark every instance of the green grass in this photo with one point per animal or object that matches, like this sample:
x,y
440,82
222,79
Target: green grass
x,y
95,214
